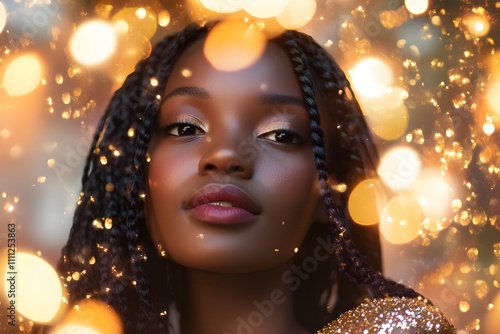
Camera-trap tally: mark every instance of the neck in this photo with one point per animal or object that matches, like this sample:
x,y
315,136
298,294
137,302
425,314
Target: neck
x,y
243,303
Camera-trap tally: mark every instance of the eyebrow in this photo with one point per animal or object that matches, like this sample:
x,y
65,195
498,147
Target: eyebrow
x,y
190,91
202,93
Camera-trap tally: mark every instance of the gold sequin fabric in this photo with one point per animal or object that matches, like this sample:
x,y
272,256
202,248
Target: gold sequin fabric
x,y
391,316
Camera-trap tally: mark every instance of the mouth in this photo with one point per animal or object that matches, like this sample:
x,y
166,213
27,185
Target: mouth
x,y
226,204
222,204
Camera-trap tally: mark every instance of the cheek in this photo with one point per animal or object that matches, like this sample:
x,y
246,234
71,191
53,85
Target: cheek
x,y
167,187
291,199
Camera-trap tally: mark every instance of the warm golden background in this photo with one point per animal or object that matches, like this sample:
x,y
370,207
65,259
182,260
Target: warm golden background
x,y
426,73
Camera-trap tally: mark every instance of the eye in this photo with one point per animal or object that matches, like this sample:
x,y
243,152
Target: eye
x,y
182,129
282,137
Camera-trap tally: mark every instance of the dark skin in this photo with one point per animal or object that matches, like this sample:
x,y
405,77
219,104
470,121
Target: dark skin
x,y
248,129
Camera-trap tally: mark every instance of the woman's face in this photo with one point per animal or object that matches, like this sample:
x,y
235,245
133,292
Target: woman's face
x,y
231,182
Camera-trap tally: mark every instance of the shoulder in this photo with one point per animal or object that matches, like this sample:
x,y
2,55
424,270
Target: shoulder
x,y
391,315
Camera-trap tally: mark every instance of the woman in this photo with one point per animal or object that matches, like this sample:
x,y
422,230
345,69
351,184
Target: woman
x,y
208,196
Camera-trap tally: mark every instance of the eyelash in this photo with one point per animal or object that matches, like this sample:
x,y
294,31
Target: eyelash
x,y
185,122
296,140
167,129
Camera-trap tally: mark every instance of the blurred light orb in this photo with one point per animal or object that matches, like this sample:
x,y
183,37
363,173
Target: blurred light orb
x,y
224,6
75,329
477,25
297,14
265,8
93,42
371,77
3,17
140,13
433,193
139,20
400,220
233,45
393,97
38,291
488,126
163,18
367,201
121,27
417,7
399,167
387,115
389,124
494,96
90,316
270,27
23,75
133,49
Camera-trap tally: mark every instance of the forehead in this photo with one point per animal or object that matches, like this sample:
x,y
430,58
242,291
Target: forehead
x,y
272,72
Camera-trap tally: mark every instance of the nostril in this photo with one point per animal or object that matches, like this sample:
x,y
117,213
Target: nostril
x,y
234,169
225,164
230,168
210,167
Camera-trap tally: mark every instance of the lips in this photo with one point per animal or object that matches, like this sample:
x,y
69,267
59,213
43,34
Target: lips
x,y
222,204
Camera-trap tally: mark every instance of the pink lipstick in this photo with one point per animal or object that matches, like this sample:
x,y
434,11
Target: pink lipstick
x,y
222,204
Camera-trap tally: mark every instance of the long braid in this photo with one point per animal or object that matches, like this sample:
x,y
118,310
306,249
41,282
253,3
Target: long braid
x,y
161,70
351,263
105,242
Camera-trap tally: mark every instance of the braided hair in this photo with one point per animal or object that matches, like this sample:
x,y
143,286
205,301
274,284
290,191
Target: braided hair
x,y
107,256
352,141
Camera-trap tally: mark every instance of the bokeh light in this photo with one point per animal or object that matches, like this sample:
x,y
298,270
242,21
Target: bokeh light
x,y
233,45
297,14
138,20
265,8
75,329
38,290
387,115
433,192
399,167
400,220
90,316
391,98
488,126
417,7
134,48
224,6
366,202
3,17
477,25
494,96
93,42
492,319
23,75
388,123
371,77
163,18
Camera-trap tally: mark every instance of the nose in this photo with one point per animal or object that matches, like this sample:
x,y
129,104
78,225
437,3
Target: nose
x,y
226,156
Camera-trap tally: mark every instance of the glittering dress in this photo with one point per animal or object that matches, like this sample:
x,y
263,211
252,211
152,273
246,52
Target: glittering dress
x,y
391,316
